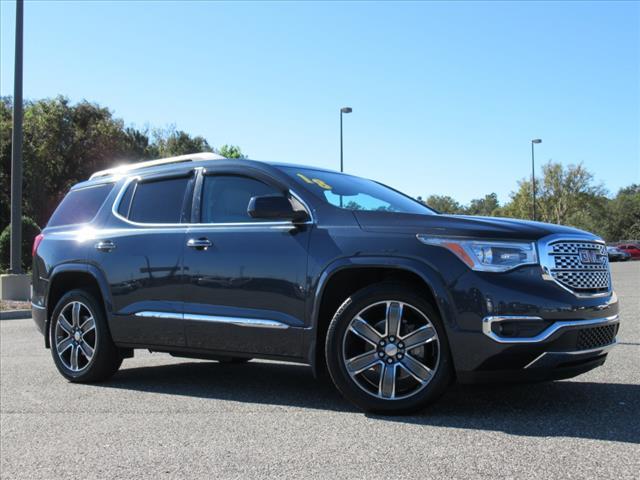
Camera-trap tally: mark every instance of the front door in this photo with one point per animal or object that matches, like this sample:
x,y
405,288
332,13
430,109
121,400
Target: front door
x,y
246,278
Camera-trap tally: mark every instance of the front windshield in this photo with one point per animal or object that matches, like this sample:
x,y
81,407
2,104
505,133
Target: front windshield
x,y
355,193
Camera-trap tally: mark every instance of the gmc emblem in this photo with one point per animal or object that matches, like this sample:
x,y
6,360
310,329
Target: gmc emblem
x,y
590,256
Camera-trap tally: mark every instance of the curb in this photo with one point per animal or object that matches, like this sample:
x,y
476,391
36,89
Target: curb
x,y
15,314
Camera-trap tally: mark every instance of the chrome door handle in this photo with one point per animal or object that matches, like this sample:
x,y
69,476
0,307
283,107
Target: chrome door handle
x,y
199,243
105,245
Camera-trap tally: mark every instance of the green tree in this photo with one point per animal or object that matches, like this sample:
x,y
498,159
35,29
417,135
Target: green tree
x,y
564,195
231,151
139,145
29,232
565,191
520,204
485,206
622,215
443,204
171,142
5,161
64,143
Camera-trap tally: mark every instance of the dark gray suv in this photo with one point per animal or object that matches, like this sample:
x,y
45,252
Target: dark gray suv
x,y
229,260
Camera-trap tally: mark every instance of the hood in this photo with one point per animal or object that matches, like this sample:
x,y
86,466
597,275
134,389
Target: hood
x,y
461,226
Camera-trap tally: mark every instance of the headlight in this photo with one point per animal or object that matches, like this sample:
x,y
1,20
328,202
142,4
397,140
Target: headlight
x,y
487,256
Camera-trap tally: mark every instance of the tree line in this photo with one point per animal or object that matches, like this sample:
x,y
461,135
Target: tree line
x,y
564,195
64,143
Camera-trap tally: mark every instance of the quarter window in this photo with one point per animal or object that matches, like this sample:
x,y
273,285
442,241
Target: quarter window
x,y
125,202
158,201
80,206
225,198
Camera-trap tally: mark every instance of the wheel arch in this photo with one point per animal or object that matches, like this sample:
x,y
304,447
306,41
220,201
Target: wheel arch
x,y
346,276
67,277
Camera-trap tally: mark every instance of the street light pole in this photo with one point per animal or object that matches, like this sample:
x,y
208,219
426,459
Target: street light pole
x,y
533,175
15,264
342,110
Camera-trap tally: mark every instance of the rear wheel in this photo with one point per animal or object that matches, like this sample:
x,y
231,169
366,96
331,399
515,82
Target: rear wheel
x,y
387,350
81,345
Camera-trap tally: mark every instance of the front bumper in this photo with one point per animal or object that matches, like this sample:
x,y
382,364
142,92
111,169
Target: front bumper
x,y
560,349
563,370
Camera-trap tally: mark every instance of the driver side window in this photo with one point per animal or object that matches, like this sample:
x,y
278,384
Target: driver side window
x,y
225,198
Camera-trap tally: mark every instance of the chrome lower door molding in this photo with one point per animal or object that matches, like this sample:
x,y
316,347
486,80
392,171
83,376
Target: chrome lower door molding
x,y
237,321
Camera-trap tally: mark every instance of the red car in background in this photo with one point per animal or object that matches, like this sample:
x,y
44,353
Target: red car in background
x,y
632,249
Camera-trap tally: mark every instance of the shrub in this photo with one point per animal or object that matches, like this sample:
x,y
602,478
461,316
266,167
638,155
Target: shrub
x,y
29,231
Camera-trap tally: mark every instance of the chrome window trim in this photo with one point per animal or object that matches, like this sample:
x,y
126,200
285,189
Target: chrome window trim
x,y
306,207
204,172
123,169
545,260
237,321
123,189
487,322
94,185
281,224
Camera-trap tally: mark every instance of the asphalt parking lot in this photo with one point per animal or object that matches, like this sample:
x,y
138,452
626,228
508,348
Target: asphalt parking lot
x,y
166,417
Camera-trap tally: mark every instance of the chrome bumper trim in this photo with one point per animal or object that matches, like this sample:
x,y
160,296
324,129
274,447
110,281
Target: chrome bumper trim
x,y
237,321
552,359
487,322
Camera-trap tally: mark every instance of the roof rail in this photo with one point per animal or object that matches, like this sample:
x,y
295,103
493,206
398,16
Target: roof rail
x,y
191,157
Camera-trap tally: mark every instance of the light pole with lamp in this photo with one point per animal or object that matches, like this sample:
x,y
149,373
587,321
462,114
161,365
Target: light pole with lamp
x,y
342,110
15,241
533,175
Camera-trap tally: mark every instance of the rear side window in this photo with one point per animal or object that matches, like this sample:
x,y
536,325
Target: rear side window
x,y
80,206
158,201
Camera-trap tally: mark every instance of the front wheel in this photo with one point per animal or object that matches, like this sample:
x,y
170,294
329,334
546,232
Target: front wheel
x,y
81,345
387,350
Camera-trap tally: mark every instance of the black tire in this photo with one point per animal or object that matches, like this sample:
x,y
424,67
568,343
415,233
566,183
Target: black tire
x,y
105,359
351,389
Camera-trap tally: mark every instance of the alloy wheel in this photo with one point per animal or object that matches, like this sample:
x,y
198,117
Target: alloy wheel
x,y
75,336
391,350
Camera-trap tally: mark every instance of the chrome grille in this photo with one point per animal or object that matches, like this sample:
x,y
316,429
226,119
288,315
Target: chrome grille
x,y
580,266
583,280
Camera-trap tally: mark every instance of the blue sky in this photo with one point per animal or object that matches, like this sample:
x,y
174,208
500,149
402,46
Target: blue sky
x,y
446,96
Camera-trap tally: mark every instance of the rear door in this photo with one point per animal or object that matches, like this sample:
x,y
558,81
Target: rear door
x,y
141,255
246,278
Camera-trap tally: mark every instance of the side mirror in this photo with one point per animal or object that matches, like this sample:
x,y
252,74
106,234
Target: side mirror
x,y
274,207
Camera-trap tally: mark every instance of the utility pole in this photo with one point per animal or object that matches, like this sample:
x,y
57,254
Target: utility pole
x,y
16,150
342,110
533,176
